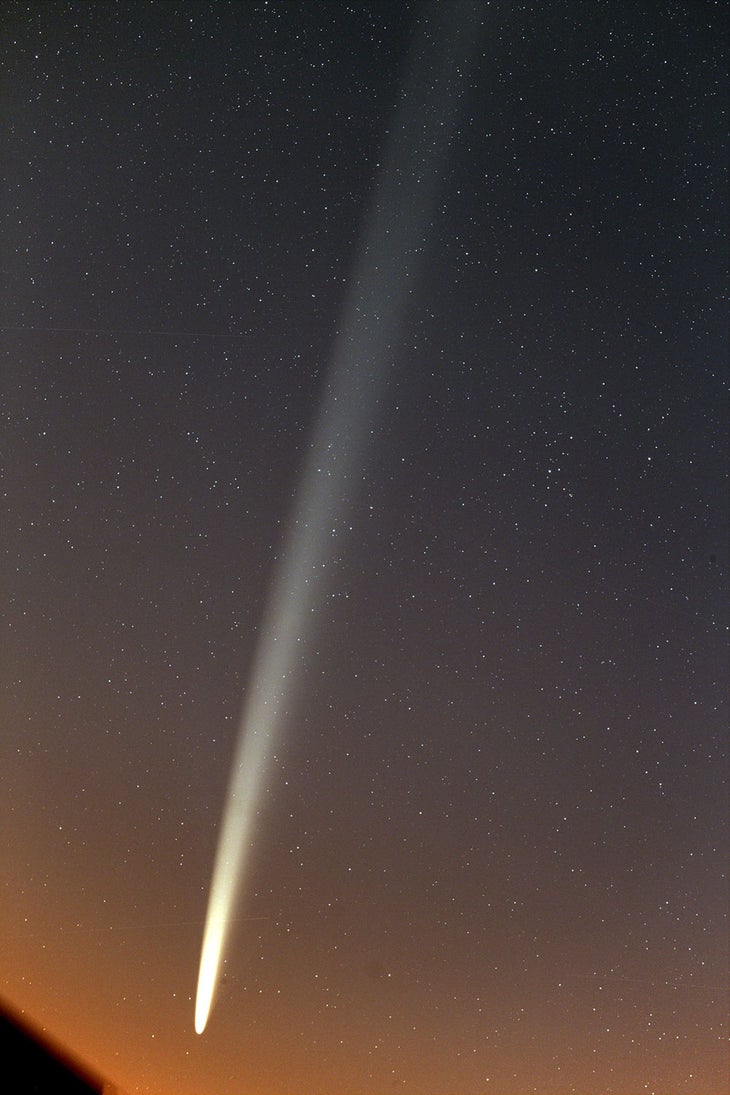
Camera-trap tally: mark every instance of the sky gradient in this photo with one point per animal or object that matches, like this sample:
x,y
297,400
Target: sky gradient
x,y
489,853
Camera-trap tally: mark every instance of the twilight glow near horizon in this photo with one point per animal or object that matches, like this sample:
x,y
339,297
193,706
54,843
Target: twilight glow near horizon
x,y
391,244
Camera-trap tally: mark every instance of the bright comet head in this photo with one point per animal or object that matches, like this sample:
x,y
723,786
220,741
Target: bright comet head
x,y
209,962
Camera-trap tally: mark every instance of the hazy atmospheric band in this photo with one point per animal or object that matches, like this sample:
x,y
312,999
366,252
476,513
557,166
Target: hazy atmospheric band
x,y
390,249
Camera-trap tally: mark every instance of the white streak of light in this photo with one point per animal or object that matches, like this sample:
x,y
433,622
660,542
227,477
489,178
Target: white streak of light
x,y
388,259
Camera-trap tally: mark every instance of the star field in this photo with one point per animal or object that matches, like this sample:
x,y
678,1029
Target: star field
x,y
491,853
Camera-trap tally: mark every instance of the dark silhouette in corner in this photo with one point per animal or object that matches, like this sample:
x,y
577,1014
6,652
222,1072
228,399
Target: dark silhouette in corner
x,y
30,1064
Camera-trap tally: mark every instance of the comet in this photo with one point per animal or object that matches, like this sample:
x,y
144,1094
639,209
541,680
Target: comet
x,y
391,249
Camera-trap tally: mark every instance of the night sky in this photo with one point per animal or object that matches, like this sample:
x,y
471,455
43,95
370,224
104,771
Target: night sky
x,y
490,851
